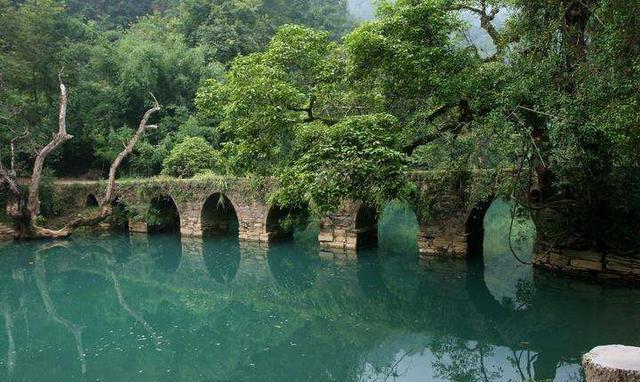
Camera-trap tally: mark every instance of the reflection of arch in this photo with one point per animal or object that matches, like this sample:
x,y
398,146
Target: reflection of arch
x,y
91,201
163,215
294,268
370,279
222,258
480,295
391,280
166,252
219,216
366,227
511,325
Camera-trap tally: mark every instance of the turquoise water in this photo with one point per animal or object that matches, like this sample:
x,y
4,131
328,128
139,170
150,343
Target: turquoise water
x,y
164,308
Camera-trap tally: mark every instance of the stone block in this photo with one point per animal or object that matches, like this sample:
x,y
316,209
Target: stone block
x,y
585,255
558,260
612,363
587,265
325,236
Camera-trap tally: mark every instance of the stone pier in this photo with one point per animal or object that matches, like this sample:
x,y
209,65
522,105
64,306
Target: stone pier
x,y
612,363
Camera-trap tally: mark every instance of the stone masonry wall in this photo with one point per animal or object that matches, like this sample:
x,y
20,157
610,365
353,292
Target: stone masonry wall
x,y
338,231
589,264
443,238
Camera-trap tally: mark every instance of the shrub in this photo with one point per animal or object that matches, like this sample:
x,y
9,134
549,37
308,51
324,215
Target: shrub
x,y
193,156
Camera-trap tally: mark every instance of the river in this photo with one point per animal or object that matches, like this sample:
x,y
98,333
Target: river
x,y
116,307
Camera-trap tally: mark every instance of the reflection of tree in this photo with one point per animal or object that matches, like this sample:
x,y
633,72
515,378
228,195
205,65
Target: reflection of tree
x,y
390,372
516,359
8,324
76,330
123,303
459,360
525,293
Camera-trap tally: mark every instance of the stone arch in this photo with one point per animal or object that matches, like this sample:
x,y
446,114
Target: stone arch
x,y
273,222
474,228
490,245
219,216
366,226
398,228
91,201
163,215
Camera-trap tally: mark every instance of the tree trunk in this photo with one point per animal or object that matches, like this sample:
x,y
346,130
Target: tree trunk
x,y
24,212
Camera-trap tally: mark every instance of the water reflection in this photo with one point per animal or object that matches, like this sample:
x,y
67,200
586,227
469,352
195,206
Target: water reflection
x,y
166,251
294,267
99,310
222,258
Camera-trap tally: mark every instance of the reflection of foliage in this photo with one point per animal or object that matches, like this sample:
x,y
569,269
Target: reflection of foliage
x,y
498,258
459,360
255,321
525,293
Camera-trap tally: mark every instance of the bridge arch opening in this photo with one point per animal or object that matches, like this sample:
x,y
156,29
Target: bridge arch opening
x,y
163,215
283,223
91,201
398,229
500,240
219,216
366,227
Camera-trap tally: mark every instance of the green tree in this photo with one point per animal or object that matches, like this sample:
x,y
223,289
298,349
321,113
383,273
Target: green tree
x,y
231,28
150,57
267,96
355,158
192,156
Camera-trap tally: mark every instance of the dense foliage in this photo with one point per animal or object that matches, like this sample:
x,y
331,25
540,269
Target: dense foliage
x,y
190,157
298,91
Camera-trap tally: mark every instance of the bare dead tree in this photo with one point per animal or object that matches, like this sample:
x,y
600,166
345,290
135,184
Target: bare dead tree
x,y
24,214
33,201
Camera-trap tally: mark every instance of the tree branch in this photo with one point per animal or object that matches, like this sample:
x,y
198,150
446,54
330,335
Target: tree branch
x,y
423,140
106,209
111,185
486,18
33,201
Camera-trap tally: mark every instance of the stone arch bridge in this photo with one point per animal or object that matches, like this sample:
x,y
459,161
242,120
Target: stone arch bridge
x,y
215,205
